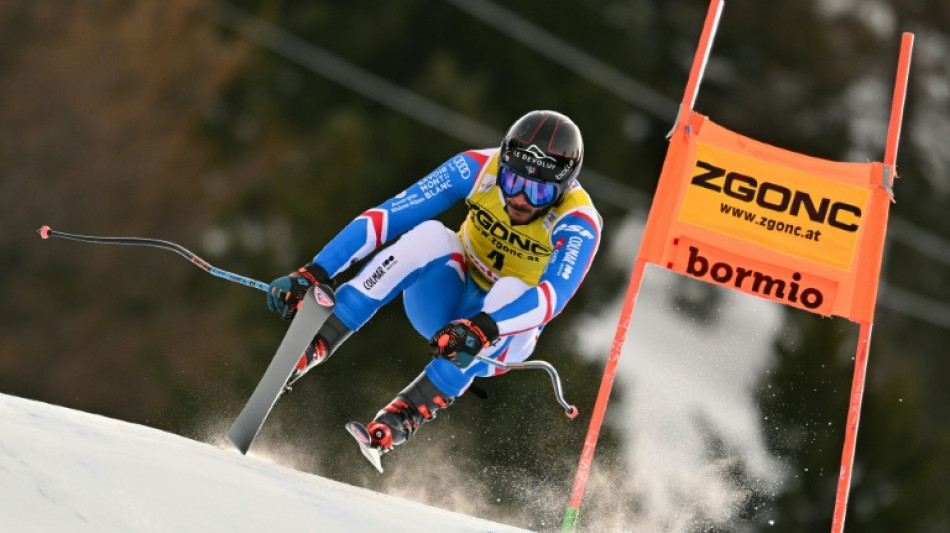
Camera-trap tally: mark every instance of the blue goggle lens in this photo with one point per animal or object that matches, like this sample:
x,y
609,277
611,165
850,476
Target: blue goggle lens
x,y
538,193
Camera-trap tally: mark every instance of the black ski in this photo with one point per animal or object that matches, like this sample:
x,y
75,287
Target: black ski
x,y
361,434
315,307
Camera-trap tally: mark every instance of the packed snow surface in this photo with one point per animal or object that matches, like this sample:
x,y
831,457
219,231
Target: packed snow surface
x,y
66,470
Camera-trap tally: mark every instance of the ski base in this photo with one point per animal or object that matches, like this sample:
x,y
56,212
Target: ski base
x,y
315,307
361,434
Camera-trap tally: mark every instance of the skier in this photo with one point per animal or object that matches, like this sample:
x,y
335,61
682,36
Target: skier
x,y
522,251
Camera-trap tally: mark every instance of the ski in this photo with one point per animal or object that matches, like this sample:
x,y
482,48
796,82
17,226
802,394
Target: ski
x,y
361,434
315,307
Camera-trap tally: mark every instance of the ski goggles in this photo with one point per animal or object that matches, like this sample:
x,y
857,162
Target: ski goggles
x,y
538,193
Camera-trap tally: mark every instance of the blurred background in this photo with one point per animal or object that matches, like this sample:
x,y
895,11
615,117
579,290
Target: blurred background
x,y
252,131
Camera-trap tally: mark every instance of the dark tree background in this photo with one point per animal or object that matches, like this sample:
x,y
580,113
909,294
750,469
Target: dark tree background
x,y
163,119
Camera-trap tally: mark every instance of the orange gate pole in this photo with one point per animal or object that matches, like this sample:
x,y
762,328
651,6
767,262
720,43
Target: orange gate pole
x,y
864,339
633,289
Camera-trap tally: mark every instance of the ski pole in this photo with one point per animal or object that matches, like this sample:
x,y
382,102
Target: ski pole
x,y
46,232
570,410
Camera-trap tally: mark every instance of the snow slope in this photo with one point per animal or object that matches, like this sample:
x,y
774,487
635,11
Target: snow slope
x,y
65,470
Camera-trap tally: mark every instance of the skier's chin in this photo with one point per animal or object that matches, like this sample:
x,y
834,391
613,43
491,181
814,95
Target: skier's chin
x,y
520,214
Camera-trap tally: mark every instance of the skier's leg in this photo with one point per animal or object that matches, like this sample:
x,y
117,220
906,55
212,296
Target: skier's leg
x,y
434,299
330,336
428,249
442,381
429,254
453,380
414,406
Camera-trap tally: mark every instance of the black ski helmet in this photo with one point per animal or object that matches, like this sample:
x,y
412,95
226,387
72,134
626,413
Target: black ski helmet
x,y
545,146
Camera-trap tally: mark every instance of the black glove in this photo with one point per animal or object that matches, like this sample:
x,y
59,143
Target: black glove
x,y
285,292
459,341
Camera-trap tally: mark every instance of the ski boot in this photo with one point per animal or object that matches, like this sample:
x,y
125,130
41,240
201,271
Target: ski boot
x,y
324,343
398,421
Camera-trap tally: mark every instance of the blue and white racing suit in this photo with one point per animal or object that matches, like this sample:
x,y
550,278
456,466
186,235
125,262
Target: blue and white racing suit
x,y
521,275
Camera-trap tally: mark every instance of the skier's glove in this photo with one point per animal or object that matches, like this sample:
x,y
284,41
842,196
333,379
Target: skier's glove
x,y
459,341
285,292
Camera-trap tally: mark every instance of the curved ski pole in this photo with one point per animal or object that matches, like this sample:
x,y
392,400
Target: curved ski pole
x,y
569,410
46,232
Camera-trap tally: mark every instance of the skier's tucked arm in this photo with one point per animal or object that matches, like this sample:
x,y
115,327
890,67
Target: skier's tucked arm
x,y
576,239
422,201
425,199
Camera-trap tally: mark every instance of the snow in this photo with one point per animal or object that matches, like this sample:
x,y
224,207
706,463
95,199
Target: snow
x,y
66,470
684,382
